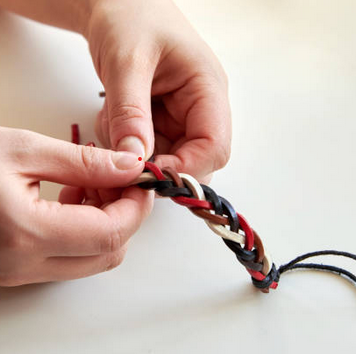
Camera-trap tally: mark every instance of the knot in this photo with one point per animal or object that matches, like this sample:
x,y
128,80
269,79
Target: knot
x,y
269,281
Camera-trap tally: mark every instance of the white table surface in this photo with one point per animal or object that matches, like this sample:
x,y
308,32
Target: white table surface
x,y
292,72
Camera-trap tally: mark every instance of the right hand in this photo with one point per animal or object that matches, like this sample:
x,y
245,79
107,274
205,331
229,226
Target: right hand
x,y
166,92
43,241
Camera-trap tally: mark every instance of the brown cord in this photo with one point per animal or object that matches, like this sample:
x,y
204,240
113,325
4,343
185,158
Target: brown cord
x,y
217,219
174,176
260,251
222,220
205,214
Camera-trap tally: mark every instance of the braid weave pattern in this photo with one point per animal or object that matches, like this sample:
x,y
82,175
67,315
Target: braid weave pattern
x,y
219,215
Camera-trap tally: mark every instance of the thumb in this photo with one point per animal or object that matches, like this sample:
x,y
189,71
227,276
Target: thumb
x,y
45,158
128,94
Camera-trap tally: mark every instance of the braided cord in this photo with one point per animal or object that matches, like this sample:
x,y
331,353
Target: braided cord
x,y
232,227
220,217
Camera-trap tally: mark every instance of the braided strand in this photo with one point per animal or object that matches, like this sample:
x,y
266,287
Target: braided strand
x,y
219,214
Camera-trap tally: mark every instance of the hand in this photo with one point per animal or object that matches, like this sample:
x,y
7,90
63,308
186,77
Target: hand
x,y
44,241
146,50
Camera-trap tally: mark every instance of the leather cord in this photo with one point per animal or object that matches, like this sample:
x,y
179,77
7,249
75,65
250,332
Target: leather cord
x,y
234,229
221,218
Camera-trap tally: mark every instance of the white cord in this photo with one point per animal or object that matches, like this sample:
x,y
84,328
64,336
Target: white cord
x,y
220,230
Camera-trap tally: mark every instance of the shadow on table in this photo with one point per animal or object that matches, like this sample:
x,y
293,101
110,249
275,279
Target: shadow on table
x,y
20,298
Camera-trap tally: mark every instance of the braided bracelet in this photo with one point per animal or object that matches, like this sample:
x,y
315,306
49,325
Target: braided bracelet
x,y
231,226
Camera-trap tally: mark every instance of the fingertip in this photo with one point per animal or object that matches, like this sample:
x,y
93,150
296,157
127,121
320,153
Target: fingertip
x,y
126,160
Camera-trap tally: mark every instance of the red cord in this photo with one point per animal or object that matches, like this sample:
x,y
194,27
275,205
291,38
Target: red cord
x,y
259,276
193,203
155,170
75,134
196,203
190,202
249,237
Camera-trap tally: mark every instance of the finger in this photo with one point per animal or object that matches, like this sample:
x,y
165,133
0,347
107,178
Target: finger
x,y
109,195
206,144
44,158
128,89
129,211
67,268
92,197
97,197
81,230
71,195
206,179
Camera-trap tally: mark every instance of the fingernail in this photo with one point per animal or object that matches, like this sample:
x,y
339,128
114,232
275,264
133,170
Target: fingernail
x,y
132,144
125,160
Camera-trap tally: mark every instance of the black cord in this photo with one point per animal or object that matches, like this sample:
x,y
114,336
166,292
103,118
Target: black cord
x,y
247,258
294,264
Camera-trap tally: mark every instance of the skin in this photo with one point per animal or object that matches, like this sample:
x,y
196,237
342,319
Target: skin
x,y
163,85
44,240
166,93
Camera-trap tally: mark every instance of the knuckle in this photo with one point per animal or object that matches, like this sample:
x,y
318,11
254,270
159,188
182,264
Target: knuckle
x,y
134,57
222,155
22,144
114,259
87,156
126,112
129,58
12,243
111,243
123,117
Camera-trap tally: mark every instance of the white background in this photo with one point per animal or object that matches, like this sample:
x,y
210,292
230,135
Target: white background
x,y
292,72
